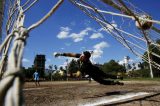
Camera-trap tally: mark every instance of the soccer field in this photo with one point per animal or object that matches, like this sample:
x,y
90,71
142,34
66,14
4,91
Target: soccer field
x,y
82,93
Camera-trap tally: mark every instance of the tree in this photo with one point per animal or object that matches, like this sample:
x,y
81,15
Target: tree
x,y
50,67
142,73
57,76
73,67
29,72
55,67
63,69
50,70
113,67
129,66
134,66
153,48
140,65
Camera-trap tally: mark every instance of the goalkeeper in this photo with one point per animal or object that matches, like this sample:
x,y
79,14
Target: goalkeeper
x,y
93,71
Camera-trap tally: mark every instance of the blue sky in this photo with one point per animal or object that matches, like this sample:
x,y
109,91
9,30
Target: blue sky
x,y
70,30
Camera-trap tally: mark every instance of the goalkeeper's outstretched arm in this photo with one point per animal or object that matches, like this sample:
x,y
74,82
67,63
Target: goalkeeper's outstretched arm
x,y
76,55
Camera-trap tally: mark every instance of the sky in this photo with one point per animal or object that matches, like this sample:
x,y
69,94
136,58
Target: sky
x,y
70,30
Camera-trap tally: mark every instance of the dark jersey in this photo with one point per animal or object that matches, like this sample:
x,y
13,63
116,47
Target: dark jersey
x,y
95,72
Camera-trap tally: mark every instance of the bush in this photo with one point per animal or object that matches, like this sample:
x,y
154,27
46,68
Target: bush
x,y
143,73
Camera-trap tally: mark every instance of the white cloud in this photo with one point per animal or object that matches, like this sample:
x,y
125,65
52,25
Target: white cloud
x,y
121,62
101,45
25,60
124,61
131,60
98,50
77,37
96,35
97,53
63,33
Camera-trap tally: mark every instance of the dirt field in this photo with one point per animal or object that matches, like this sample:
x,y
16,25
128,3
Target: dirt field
x,y
80,93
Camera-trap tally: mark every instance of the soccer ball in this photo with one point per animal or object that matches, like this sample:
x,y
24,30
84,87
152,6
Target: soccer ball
x,y
144,25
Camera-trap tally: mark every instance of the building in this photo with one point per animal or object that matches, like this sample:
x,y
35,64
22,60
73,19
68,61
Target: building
x,y
39,64
126,63
130,66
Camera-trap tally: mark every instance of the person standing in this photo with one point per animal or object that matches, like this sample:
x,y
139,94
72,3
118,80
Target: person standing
x,y
36,78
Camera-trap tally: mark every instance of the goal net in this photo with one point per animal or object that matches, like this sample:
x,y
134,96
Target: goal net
x,y
130,26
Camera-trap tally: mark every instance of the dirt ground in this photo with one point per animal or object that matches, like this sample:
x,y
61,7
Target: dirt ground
x,y
79,93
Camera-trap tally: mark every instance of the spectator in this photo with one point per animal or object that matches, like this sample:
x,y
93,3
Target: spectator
x,y
36,78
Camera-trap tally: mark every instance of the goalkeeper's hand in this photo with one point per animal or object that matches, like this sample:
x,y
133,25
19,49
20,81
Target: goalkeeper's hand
x,y
57,54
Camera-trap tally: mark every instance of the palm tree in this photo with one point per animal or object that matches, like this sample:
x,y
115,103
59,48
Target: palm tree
x,y
55,67
51,70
